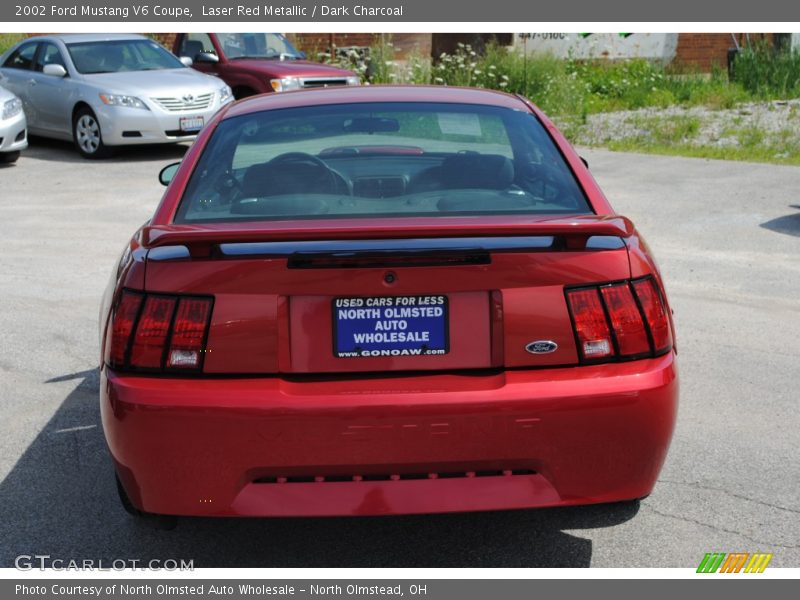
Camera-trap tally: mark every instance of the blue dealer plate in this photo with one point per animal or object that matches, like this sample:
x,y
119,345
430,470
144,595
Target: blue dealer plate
x,y
390,326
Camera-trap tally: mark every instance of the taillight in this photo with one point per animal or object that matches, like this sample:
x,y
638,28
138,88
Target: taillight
x,y
122,325
626,320
154,332
188,333
591,326
623,320
655,312
151,332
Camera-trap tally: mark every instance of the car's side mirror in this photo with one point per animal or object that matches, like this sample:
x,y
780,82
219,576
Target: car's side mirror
x,y
55,70
585,162
206,57
187,61
167,173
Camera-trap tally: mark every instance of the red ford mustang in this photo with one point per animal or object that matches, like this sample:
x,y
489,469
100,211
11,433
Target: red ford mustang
x,y
384,300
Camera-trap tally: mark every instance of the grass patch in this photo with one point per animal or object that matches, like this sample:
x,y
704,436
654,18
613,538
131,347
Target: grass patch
x,y
676,137
756,154
658,131
766,73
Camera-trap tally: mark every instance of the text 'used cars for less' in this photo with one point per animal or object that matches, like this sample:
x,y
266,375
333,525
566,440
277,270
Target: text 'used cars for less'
x,y
384,300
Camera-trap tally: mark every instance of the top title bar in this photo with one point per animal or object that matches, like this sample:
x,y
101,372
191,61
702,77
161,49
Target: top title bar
x,y
182,11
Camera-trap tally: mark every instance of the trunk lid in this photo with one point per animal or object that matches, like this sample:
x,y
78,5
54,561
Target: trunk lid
x,y
393,295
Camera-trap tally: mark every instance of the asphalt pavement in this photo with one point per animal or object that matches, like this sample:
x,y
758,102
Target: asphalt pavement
x,y
727,236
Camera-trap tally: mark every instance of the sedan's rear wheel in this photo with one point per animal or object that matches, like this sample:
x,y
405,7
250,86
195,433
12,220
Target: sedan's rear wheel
x,y
87,135
9,157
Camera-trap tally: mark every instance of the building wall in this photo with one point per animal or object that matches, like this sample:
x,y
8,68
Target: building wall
x,y
405,44
448,42
659,47
312,43
704,50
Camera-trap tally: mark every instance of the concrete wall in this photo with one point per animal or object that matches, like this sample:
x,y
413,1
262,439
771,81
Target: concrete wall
x,y
695,50
613,46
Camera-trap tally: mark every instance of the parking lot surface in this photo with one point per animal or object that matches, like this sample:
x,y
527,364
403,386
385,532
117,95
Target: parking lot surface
x,y
727,236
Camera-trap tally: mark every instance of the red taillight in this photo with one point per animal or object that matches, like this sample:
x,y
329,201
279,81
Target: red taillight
x,y
655,312
157,331
151,332
122,325
610,323
626,320
188,333
591,326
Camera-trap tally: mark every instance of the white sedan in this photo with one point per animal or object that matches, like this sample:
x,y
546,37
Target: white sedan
x,y
106,90
13,128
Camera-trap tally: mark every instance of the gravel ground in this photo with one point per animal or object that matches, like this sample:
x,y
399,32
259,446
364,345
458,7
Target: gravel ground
x,y
775,122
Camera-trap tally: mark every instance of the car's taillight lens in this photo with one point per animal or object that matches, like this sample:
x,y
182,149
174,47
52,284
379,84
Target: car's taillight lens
x,y
158,331
122,325
626,320
591,326
622,320
188,333
151,332
655,312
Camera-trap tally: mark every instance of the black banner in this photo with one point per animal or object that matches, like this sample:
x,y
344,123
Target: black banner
x,y
386,589
387,11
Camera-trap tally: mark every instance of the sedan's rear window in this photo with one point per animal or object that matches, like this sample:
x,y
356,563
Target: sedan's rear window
x,y
380,159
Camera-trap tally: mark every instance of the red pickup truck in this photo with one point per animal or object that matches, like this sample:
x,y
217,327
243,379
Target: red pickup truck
x,y
256,63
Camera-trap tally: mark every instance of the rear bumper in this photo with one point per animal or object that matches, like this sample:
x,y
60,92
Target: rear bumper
x,y
549,437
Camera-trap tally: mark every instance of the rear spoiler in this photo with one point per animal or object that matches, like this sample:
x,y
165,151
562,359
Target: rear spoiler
x,y
575,229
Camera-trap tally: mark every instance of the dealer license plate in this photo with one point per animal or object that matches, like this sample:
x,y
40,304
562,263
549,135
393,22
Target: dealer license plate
x,y
390,326
192,124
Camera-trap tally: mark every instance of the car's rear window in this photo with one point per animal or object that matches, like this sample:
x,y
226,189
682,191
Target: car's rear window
x,y
380,159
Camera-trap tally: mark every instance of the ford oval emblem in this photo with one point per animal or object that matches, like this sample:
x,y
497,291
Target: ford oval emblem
x,y
541,347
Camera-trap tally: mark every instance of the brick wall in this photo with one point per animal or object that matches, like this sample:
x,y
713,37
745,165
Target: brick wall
x,y
405,43
448,42
704,50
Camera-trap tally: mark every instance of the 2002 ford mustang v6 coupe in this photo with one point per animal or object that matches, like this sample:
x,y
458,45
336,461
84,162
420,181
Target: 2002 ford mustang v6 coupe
x,y
384,300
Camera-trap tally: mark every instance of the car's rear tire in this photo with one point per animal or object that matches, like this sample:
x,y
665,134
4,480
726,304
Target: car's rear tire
x,y
9,157
165,522
87,136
